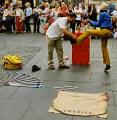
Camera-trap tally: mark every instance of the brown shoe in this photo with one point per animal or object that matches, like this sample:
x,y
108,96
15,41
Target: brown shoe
x,y
64,67
51,67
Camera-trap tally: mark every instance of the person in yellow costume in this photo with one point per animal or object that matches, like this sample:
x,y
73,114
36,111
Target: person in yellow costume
x,y
104,22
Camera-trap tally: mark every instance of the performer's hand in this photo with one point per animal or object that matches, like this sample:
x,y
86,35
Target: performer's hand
x,y
73,36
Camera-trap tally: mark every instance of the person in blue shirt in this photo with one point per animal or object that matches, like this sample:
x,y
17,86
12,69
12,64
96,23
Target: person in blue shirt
x,y
111,8
28,14
104,22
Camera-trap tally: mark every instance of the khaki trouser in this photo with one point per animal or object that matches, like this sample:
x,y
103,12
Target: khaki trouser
x,y
104,34
57,44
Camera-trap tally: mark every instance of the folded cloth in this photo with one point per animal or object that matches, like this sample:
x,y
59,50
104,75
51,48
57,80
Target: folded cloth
x,y
83,104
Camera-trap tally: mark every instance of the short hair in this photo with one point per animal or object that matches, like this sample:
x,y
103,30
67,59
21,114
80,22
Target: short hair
x,y
72,15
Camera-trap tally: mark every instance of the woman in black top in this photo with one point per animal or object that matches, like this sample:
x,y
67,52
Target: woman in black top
x,y
92,13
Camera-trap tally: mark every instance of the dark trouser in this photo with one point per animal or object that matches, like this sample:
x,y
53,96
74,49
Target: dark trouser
x,y
78,22
13,24
36,24
8,25
27,23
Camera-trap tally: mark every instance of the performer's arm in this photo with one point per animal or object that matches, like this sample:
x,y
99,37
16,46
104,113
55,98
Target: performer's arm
x,y
66,32
98,23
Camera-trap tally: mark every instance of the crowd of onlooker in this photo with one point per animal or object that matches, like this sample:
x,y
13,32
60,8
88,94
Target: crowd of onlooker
x,y
18,17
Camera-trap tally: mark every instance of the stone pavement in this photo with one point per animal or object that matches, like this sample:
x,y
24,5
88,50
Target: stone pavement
x,y
21,103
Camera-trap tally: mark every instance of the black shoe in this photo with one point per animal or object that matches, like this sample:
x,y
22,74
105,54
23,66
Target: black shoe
x,y
64,67
107,67
35,68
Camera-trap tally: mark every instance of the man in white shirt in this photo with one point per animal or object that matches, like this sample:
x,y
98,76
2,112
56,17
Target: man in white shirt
x,y
54,39
78,12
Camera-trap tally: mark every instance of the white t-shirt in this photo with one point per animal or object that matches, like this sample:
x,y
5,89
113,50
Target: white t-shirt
x,y
54,31
114,13
78,15
55,14
17,12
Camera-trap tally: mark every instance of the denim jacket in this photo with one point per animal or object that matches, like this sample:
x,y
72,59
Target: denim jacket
x,y
104,21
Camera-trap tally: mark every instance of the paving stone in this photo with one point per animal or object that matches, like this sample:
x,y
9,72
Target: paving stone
x,y
64,75
104,77
113,86
112,110
115,98
39,111
111,100
86,87
34,94
12,110
33,103
25,52
6,92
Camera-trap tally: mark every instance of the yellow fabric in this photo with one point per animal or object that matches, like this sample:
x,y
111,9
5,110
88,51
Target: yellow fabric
x,y
104,34
12,59
12,62
80,104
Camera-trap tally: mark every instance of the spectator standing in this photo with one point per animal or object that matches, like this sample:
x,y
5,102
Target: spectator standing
x,y
111,8
44,17
42,6
84,11
36,19
78,12
70,8
19,17
7,17
63,10
114,18
98,10
55,12
13,18
28,14
92,12
47,10
20,5
2,23
1,16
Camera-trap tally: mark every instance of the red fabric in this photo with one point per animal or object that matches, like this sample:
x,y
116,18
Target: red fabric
x,y
45,29
51,20
19,25
63,11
